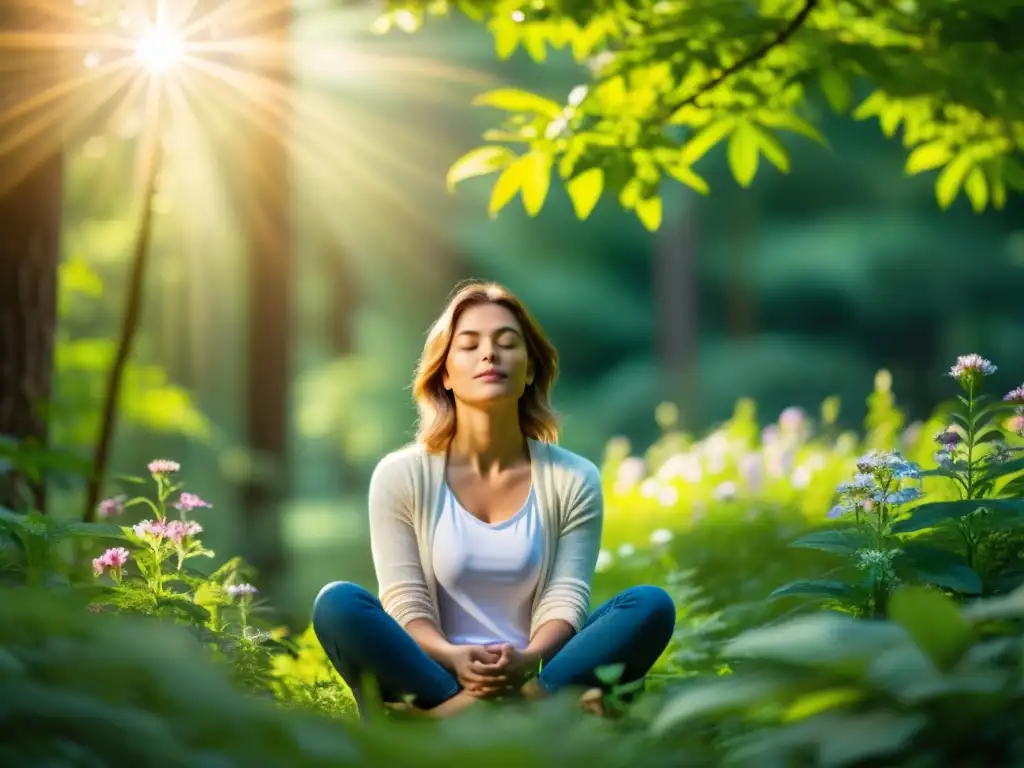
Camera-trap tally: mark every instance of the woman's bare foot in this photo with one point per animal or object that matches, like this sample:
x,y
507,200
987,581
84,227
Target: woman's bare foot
x,y
456,705
592,701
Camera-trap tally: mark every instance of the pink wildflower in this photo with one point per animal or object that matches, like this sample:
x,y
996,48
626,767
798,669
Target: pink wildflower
x,y
1015,396
189,501
163,466
792,419
113,559
969,368
176,530
153,529
112,507
1017,424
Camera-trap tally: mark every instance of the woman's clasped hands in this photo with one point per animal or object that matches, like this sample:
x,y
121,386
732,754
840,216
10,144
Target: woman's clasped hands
x,y
488,671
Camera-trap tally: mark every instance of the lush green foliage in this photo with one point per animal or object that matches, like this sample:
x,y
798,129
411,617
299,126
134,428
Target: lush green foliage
x,y
668,81
896,665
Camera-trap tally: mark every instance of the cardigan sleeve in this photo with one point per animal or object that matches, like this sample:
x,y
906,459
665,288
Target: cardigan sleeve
x,y
567,595
396,559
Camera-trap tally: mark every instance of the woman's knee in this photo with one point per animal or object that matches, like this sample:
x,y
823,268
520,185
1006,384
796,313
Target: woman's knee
x,y
339,605
657,606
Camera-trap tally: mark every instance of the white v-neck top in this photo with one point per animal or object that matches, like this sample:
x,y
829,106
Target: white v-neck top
x,y
487,574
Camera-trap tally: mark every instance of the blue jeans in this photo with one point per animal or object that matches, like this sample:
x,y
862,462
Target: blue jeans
x,y
361,639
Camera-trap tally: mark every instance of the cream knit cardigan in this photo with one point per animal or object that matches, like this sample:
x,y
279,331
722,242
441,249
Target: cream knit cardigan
x,y
405,504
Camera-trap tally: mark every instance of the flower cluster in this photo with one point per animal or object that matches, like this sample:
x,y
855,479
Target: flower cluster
x,y
969,370
879,480
1016,397
112,560
170,530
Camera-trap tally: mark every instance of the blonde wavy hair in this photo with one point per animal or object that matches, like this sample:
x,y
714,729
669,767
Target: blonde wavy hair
x,y
436,405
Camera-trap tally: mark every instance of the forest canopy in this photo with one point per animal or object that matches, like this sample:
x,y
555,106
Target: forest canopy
x,y
665,81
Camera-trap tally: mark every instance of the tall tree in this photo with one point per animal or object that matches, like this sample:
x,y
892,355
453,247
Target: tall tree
x,y
263,175
31,173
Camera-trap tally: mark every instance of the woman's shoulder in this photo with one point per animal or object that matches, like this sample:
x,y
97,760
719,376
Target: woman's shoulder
x,y
401,463
571,469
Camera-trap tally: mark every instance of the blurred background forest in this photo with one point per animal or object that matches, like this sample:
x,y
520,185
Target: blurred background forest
x,y
797,289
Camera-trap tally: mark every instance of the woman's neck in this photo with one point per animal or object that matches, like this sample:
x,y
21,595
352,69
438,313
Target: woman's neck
x,y
488,441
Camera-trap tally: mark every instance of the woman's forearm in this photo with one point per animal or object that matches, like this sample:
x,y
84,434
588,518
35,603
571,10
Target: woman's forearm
x,y
430,639
549,639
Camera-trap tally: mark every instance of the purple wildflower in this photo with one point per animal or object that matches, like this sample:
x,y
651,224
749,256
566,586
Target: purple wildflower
x,y
1015,396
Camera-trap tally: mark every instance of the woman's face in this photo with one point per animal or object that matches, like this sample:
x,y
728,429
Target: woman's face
x,y
487,359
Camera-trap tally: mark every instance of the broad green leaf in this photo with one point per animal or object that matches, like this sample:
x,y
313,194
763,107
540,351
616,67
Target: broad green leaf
x,y
843,542
837,90
585,190
976,188
927,157
649,211
515,100
1002,469
941,567
773,149
535,180
505,188
685,175
718,695
934,622
1000,608
937,512
704,140
819,639
742,153
827,588
952,177
478,162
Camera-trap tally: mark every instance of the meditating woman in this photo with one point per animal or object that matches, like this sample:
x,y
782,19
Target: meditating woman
x,y
485,535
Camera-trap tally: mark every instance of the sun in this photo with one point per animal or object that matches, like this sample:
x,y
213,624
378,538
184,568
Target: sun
x,y
159,50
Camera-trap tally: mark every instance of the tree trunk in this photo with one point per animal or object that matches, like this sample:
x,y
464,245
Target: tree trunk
x,y
31,188
263,173
677,313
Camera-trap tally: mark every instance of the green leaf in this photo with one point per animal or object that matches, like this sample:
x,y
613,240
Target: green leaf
x,y
773,149
685,175
843,542
535,180
934,622
609,674
837,91
97,530
649,211
742,153
1013,174
789,121
505,188
702,142
478,162
819,639
1002,469
716,696
976,188
941,567
937,512
827,588
927,157
1000,608
515,100
948,184
585,190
